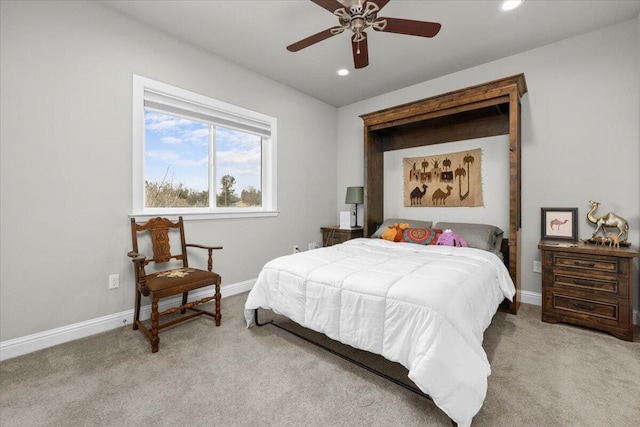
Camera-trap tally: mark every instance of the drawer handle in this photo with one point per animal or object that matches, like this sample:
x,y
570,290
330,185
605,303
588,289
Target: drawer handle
x,y
584,264
584,306
582,282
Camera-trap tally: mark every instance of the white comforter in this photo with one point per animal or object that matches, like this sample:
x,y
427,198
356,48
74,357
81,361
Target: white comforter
x,y
425,307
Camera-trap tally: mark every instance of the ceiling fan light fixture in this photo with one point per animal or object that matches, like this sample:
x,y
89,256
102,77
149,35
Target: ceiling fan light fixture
x,y
359,15
510,4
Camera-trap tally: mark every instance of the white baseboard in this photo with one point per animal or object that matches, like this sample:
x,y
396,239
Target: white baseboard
x,y
27,344
23,345
533,298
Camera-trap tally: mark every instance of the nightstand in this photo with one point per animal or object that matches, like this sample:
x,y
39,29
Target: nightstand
x,y
588,285
333,234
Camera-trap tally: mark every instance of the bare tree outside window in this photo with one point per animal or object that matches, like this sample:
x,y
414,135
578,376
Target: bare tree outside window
x,y
178,166
200,157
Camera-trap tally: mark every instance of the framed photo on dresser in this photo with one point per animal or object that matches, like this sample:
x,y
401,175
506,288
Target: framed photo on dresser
x,y
559,224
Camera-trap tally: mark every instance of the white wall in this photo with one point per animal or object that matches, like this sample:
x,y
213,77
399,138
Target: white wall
x,y
66,82
580,133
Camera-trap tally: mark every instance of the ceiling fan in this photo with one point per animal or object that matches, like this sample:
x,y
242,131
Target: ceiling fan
x,y
357,16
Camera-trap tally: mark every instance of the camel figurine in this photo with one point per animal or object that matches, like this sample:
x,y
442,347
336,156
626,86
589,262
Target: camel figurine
x,y
599,240
610,220
613,240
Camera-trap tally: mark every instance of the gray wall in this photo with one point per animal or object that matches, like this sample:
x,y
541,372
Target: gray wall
x,y
580,136
65,156
66,82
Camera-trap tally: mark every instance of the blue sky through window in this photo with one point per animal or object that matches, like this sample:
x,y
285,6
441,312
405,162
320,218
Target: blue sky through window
x,y
238,154
177,151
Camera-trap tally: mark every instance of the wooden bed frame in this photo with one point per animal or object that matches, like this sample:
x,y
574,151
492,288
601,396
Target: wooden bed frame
x,y
480,111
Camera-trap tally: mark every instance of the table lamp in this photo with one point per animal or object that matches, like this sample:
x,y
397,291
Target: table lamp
x,y
355,195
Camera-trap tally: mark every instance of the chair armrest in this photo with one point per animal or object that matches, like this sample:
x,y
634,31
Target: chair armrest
x,y
208,248
137,258
141,275
195,245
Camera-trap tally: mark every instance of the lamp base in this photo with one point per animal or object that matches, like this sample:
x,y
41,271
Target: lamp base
x,y
356,215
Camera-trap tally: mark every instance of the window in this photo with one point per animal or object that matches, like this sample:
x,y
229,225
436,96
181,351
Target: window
x,y
199,157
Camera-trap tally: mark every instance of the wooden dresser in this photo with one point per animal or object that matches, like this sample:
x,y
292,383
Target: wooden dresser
x,y
333,235
588,285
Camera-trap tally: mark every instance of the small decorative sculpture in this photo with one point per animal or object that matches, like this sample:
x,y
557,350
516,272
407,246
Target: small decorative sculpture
x,y
613,240
610,220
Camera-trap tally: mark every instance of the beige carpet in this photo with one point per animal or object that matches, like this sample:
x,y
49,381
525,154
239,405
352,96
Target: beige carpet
x,y
542,375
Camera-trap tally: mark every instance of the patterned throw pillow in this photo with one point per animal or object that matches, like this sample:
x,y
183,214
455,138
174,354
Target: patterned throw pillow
x,y
422,236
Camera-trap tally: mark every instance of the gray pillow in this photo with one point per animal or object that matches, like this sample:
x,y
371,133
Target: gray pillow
x,y
480,236
413,223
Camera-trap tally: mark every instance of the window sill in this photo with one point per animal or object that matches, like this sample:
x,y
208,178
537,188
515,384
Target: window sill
x,y
196,216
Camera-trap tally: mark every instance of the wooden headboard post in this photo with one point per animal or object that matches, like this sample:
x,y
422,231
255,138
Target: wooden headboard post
x,y
479,111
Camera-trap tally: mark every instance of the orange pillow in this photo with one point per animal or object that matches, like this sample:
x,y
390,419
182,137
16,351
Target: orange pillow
x,y
395,232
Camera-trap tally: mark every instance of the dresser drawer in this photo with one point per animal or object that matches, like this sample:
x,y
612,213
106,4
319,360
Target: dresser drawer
x,y
605,285
334,235
335,238
578,305
608,314
585,262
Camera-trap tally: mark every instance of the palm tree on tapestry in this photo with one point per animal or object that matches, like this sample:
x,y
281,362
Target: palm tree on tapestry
x,y
460,173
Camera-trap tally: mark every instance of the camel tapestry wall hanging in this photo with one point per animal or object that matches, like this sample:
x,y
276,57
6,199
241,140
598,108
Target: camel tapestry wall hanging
x,y
448,180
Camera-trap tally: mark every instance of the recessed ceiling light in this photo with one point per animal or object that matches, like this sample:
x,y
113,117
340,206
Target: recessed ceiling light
x,y
342,72
510,4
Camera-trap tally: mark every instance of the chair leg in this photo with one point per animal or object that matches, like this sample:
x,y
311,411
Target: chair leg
x,y
155,339
136,311
218,314
184,301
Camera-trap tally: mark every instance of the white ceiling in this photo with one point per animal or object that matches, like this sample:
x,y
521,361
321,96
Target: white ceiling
x,y
255,33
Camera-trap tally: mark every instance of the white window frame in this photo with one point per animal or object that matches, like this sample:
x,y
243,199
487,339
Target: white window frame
x,y
148,89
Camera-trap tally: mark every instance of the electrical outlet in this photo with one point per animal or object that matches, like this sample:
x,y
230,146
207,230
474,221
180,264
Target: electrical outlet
x,y
296,249
310,246
537,266
315,245
114,281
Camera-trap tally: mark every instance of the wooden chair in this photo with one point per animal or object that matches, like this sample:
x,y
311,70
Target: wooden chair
x,y
169,282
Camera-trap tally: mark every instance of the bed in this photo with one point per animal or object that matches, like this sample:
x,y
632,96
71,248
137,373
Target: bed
x,y
423,306
360,292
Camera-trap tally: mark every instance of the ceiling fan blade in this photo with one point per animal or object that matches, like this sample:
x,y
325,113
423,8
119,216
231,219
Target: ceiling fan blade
x,y
330,5
318,37
380,3
360,52
409,27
